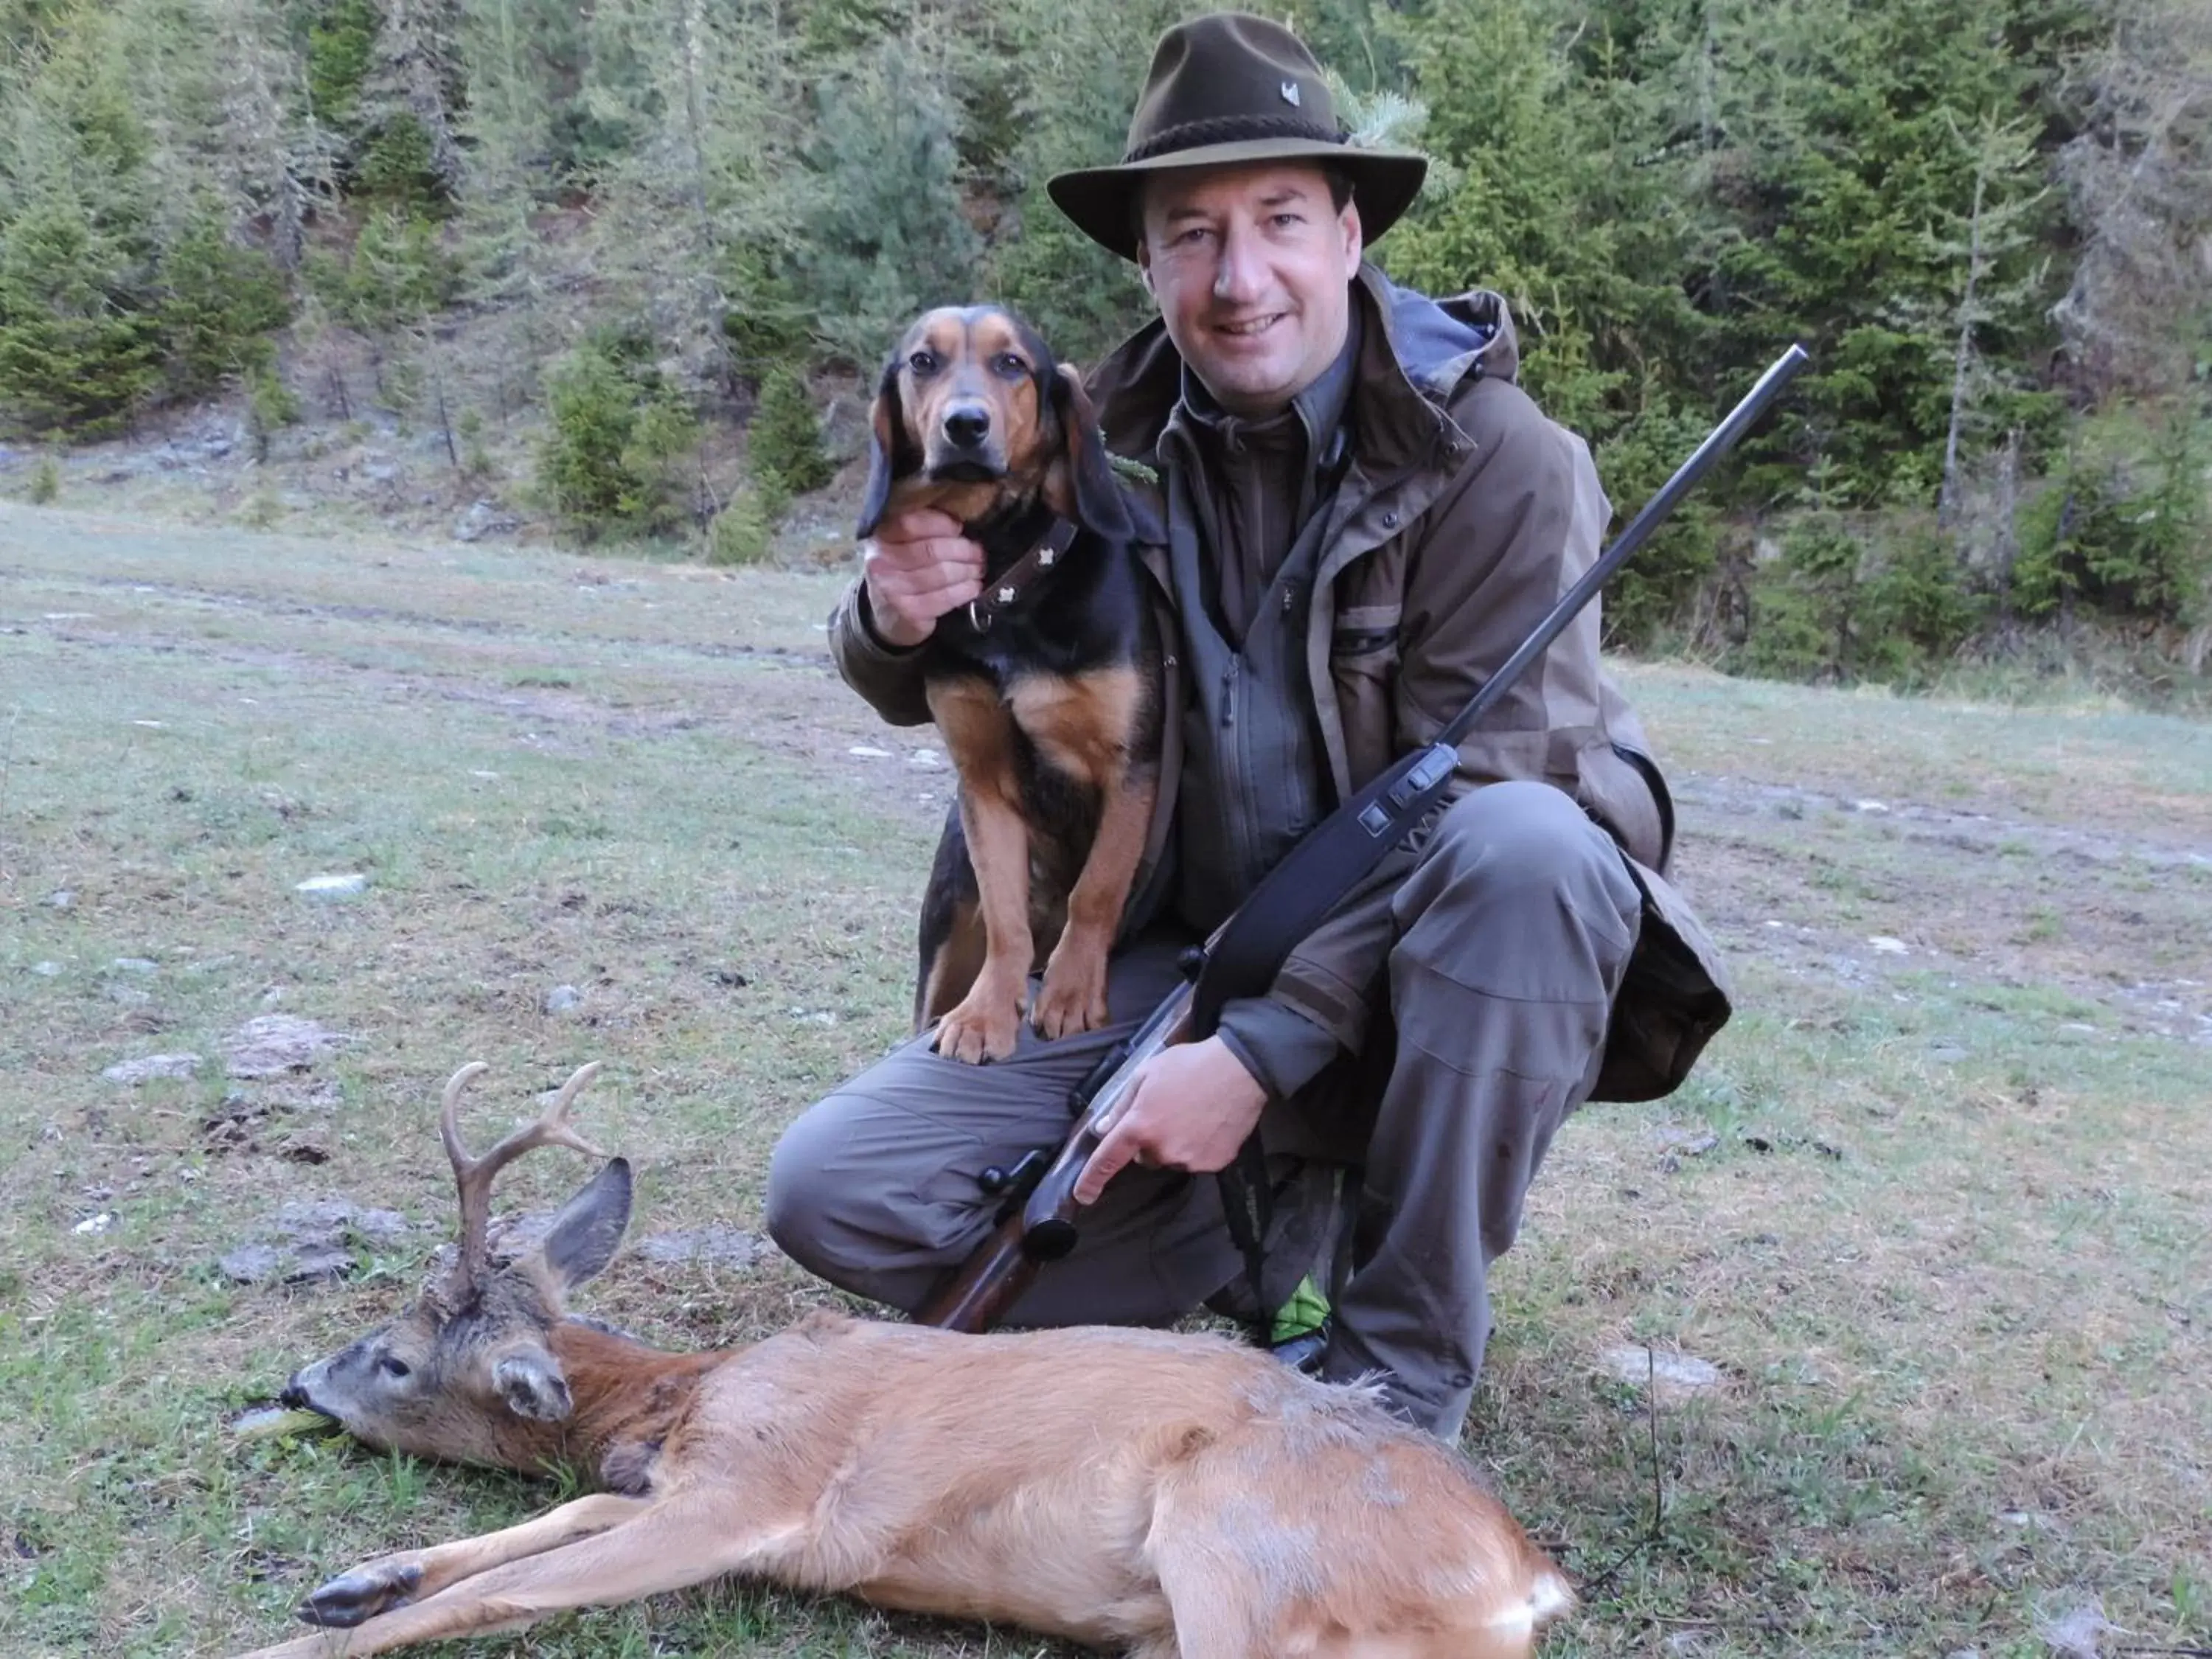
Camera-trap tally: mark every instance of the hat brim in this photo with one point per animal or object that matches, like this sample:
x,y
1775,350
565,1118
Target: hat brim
x,y
1099,201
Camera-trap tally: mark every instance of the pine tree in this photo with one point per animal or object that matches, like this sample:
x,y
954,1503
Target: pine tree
x,y
884,235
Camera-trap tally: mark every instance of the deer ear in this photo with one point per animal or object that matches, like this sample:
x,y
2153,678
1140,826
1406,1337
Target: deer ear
x,y
531,1384
584,1236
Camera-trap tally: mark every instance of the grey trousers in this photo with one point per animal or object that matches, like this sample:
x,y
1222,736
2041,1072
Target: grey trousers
x,y
1511,935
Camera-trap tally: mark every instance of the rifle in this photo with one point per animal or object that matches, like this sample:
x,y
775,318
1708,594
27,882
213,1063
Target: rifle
x,y
1036,1220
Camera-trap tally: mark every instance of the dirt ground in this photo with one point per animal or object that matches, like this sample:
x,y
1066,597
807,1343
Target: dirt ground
x,y
1931,1212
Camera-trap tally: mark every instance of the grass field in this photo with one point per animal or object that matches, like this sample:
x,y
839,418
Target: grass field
x,y
1935,1207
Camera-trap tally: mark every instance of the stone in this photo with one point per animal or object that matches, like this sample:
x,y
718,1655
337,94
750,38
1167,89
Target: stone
x,y
564,999
1671,1375
272,1045
333,886
135,1071
717,1247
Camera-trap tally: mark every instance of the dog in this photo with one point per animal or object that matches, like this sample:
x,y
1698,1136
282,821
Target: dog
x,y
1046,689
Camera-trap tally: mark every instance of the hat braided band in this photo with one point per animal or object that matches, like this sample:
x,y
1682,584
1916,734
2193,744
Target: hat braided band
x,y
1230,130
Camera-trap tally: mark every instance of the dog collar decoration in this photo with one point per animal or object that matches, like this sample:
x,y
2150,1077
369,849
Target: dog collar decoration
x,y
983,610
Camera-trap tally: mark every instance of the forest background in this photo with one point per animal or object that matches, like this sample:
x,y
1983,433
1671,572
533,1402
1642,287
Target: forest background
x,y
611,263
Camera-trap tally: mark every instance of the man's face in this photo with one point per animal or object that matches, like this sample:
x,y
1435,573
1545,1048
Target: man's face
x,y
1250,265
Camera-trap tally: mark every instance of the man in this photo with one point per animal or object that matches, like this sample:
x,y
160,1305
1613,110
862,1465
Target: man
x,y
1363,517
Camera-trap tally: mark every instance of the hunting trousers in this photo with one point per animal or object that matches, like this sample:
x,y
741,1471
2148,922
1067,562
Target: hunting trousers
x,y
1400,1172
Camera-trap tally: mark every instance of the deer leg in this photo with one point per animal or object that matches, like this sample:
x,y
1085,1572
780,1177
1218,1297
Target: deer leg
x,y
671,1546
393,1581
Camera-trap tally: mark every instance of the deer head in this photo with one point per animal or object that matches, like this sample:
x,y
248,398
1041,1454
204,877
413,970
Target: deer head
x,y
467,1372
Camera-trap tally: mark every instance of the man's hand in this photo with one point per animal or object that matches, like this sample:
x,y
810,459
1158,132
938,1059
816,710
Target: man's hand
x,y
917,567
1190,1108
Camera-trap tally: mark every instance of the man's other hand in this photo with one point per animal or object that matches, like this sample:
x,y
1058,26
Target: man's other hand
x,y
1189,1108
917,567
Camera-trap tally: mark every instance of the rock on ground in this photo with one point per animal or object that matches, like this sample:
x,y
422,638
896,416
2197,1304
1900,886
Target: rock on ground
x,y
135,1071
1671,1375
270,1045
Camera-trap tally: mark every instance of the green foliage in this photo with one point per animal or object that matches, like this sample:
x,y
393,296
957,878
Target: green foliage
x,y
1082,60
1656,588
396,168
397,272
2124,525
785,439
45,484
884,235
79,348
223,303
341,44
1845,600
617,432
270,404
742,531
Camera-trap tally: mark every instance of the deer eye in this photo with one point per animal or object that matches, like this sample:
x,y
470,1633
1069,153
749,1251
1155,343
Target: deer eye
x,y
394,1368
923,362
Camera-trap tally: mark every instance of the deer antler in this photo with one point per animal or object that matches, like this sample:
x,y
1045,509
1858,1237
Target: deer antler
x,y
474,1175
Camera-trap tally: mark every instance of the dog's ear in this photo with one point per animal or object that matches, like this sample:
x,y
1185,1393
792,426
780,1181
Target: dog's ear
x,y
1098,504
891,454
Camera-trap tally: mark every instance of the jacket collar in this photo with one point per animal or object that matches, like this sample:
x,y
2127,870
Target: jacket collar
x,y
1414,354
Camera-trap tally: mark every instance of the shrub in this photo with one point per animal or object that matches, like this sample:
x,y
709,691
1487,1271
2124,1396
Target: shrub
x,y
223,302
45,482
742,531
608,461
785,437
270,404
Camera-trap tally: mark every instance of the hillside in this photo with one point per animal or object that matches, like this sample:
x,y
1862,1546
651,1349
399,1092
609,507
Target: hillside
x,y
607,272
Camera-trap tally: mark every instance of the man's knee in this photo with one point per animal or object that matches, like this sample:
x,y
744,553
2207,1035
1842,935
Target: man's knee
x,y
1519,893
1520,846
803,1197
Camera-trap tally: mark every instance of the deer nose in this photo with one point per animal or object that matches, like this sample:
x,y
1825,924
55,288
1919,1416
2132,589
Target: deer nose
x,y
967,424
294,1398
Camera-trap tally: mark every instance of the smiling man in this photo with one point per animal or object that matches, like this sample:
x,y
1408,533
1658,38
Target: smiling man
x,y
1362,516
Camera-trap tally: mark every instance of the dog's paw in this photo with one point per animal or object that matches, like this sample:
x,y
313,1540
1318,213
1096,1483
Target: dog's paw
x,y
353,1597
982,1027
1073,997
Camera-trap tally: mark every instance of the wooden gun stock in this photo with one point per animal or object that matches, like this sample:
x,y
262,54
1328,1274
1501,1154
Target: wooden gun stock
x,y
1037,1224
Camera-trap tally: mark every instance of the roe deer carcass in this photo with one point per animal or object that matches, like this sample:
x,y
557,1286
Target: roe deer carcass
x,y
1157,1494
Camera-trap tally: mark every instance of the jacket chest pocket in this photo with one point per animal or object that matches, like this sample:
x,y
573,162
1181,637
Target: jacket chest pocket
x,y
1365,635
1363,664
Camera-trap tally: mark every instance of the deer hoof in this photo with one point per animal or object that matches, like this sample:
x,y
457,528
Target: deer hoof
x,y
352,1597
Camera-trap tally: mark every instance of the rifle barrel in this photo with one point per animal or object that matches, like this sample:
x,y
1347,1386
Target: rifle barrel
x,y
1721,439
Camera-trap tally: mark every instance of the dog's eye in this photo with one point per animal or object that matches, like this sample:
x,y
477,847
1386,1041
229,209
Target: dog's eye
x,y
923,362
1010,364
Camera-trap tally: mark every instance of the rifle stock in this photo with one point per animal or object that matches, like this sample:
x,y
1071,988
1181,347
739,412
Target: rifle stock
x,y
1038,1225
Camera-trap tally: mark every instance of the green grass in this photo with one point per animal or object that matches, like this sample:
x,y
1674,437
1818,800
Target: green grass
x,y
1948,1247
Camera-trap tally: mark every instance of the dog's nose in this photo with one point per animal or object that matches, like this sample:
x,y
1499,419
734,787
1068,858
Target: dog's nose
x,y
967,424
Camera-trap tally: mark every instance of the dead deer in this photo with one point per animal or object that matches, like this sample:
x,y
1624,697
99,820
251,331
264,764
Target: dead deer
x,y
1154,1493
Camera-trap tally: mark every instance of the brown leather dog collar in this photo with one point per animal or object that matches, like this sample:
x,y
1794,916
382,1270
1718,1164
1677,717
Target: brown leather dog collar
x,y
983,610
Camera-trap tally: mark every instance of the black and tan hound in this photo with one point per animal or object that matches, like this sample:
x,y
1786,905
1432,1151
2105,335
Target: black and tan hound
x,y
1045,688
